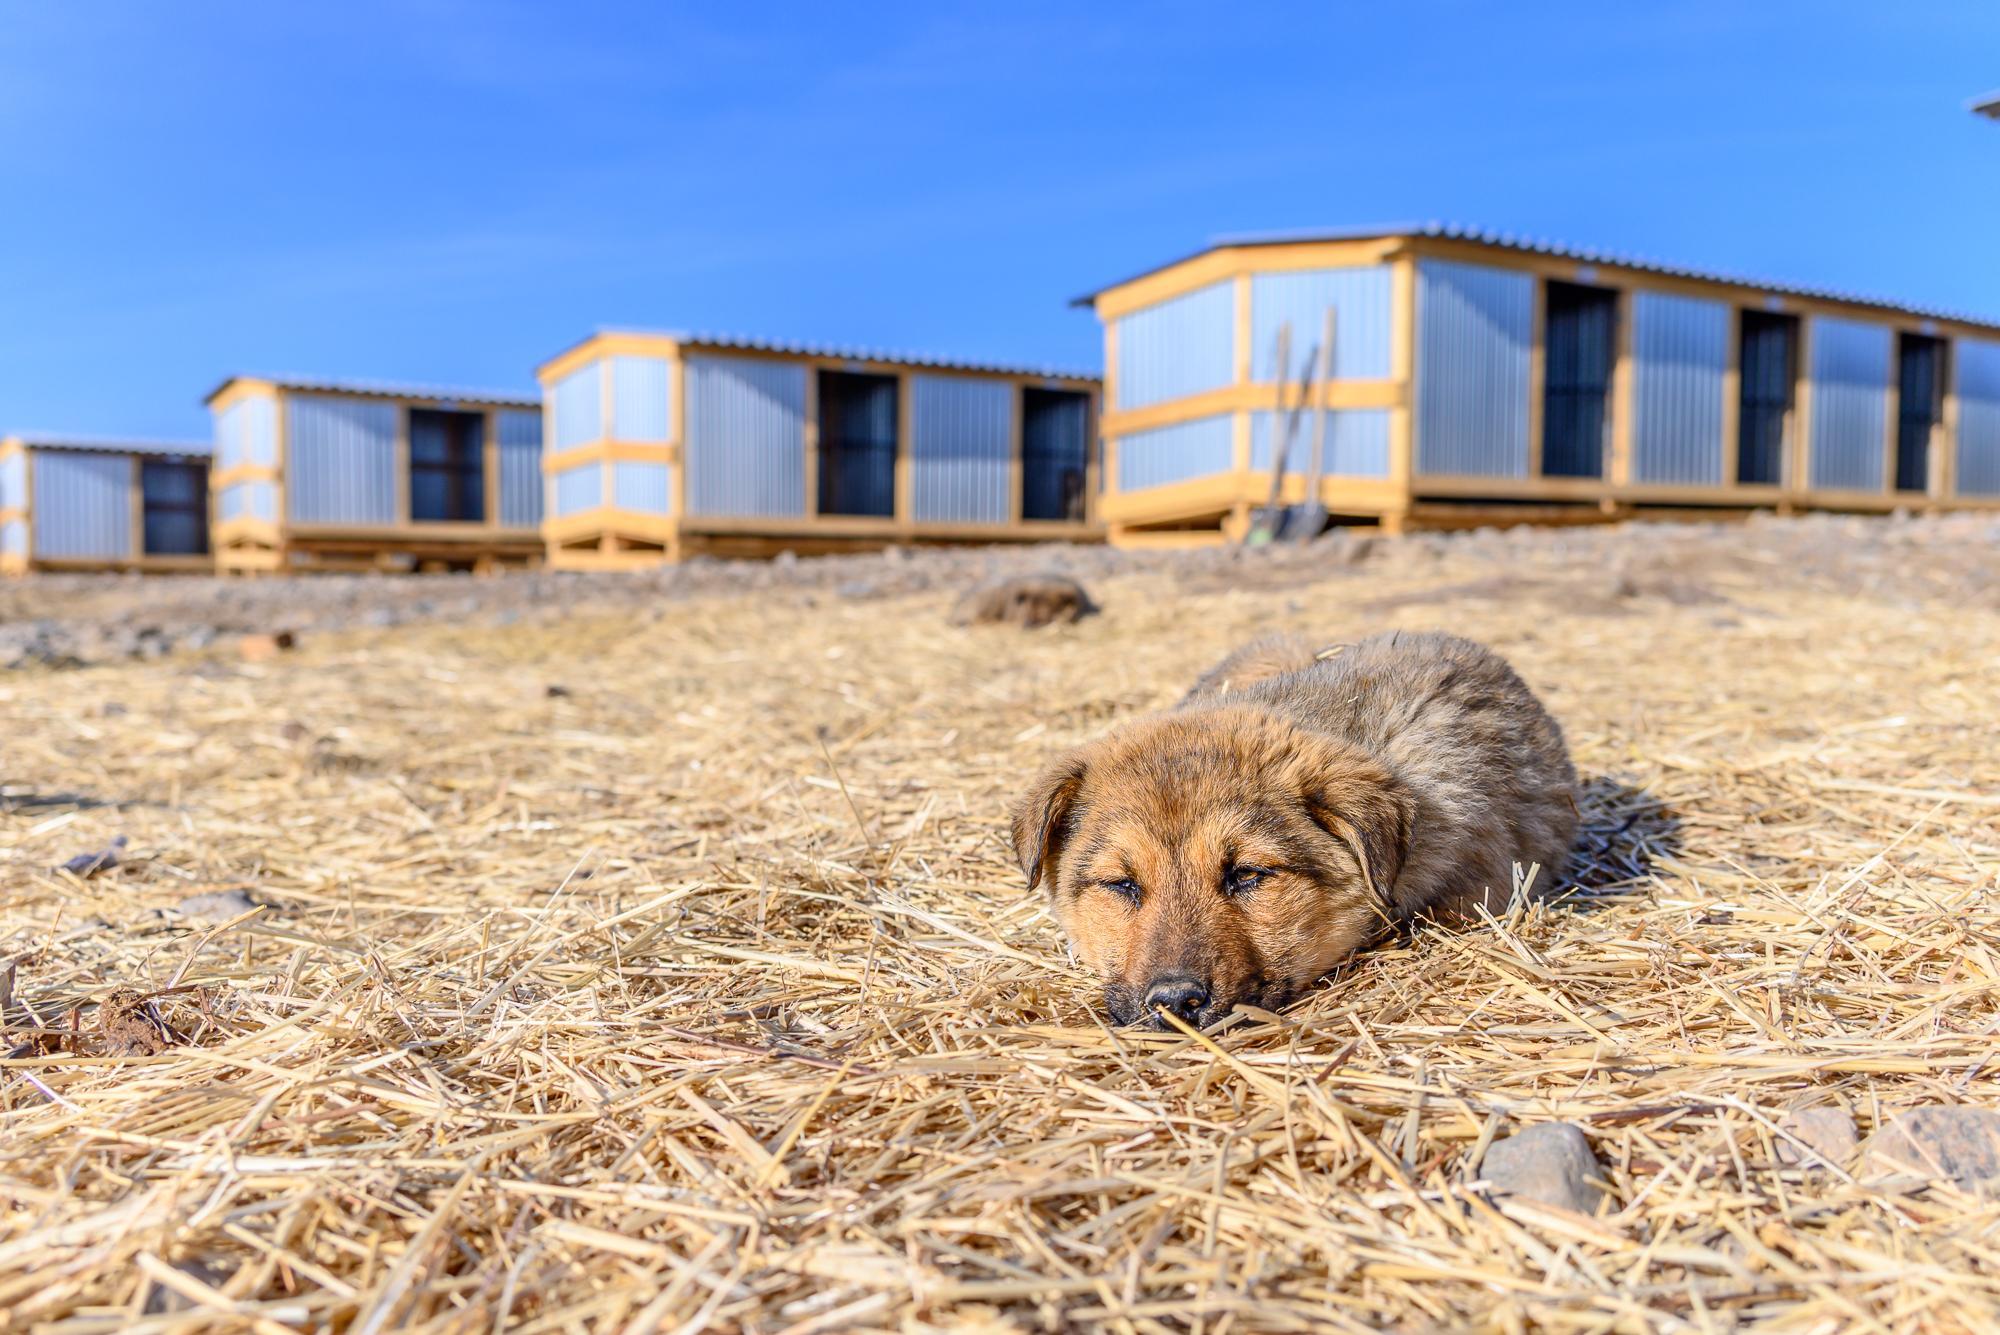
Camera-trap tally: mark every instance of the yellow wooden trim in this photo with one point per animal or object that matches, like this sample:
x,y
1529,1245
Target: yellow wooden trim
x,y
609,519
1017,427
489,462
427,531
1228,262
1538,329
906,476
135,508
603,347
239,473
1624,389
243,526
238,388
1402,370
11,446
1245,354
869,526
10,513
1110,390
1255,398
603,451
1239,441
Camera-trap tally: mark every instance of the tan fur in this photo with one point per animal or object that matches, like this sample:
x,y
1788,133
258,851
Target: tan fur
x,y
1404,775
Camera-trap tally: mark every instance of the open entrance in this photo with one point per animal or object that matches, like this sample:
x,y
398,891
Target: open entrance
x,y
1579,346
857,444
174,496
1768,367
1055,452
1919,407
447,466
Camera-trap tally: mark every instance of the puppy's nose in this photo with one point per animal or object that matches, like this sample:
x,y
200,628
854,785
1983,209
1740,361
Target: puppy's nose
x,y
1179,995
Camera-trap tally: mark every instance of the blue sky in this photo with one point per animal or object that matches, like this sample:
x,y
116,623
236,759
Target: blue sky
x,y
452,192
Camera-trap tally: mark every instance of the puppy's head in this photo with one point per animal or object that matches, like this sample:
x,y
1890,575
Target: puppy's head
x,y
1210,857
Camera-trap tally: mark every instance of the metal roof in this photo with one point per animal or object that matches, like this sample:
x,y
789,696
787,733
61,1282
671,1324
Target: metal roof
x,y
49,440
848,353
389,389
1536,246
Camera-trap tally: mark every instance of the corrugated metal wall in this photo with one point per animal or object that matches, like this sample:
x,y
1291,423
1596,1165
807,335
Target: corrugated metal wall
x,y
1179,347
246,432
1850,404
1360,298
14,481
644,487
961,449
1475,329
579,489
83,505
745,449
521,486
1201,448
1680,347
641,394
1978,377
1357,442
14,538
248,500
340,460
579,406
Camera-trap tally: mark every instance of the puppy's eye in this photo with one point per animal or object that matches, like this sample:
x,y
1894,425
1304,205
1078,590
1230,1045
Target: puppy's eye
x,y
1125,889
1241,880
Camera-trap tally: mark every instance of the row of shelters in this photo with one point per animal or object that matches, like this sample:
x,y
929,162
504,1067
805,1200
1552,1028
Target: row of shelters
x,y
1471,379
1480,379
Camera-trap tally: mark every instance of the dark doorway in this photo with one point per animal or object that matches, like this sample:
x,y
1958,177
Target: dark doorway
x,y
447,466
1768,369
1579,347
857,444
1055,451
1919,407
175,500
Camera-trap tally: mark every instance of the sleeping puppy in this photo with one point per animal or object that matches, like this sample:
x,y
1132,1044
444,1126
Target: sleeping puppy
x,y
1297,805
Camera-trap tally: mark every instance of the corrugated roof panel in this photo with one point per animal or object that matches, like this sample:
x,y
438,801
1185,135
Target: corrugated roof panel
x,y
39,440
390,389
853,353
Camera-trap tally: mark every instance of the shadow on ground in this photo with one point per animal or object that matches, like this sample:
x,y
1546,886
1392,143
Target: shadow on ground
x,y
1623,830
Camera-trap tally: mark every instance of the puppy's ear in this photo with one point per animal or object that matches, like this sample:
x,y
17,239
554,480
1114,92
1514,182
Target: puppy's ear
x,y
1366,808
1042,816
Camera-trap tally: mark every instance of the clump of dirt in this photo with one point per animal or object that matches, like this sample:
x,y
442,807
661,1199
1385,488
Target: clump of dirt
x,y
1027,601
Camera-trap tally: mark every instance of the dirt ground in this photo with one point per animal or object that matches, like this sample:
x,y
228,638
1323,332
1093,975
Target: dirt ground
x,y
635,953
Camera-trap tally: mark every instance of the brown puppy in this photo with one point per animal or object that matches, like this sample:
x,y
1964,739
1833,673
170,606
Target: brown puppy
x,y
1296,806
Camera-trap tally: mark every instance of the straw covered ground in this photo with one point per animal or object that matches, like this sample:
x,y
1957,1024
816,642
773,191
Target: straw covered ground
x,y
644,959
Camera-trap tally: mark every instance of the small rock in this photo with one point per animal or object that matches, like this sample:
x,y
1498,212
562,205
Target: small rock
x,y
1828,1132
214,906
1959,1143
263,648
1551,1163
556,691
104,859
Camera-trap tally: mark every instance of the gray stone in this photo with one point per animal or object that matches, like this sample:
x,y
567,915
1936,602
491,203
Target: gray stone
x,y
1551,1163
1828,1132
1959,1143
214,906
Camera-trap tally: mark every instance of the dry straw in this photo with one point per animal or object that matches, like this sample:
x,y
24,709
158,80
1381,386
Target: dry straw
x,y
703,994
